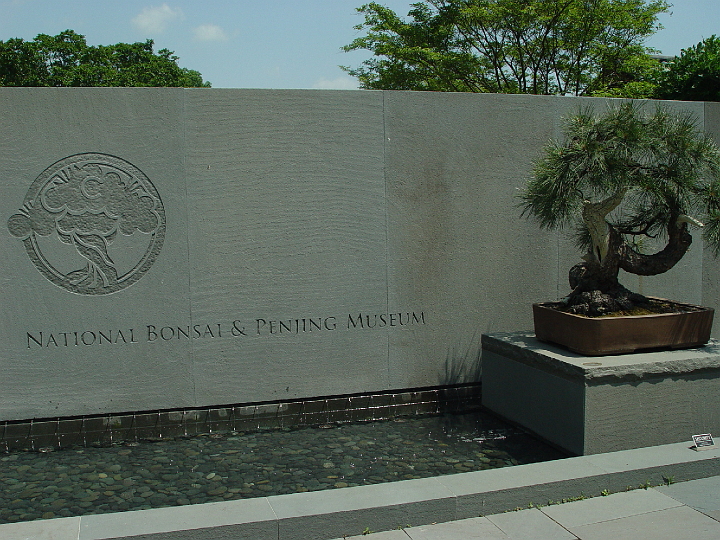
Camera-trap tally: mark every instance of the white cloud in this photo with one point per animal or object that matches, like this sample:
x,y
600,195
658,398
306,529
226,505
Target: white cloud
x,y
344,82
209,32
154,20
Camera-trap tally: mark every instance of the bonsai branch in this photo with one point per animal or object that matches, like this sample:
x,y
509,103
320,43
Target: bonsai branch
x,y
679,240
682,218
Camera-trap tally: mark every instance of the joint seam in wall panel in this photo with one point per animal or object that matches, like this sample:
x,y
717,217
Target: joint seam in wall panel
x,y
387,236
184,165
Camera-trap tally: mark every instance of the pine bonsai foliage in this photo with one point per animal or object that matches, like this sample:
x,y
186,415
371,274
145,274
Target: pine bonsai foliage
x,y
619,179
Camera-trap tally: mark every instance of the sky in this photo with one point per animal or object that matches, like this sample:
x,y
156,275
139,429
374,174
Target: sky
x,y
267,43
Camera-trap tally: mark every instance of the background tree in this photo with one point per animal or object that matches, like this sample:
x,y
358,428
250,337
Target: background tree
x,y
621,179
635,79
694,75
565,47
67,60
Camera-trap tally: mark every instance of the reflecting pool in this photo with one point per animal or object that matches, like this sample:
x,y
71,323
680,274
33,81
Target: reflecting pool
x,y
234,465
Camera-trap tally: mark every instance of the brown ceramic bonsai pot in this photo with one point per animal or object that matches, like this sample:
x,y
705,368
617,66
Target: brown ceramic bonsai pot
x,y
600,336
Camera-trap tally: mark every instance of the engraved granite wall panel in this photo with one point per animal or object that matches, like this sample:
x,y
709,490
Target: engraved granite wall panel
x,y
169,248
286,204
711,264
456,241
87,260
456,244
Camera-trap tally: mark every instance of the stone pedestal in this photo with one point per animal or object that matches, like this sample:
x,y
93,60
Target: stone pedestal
x,y
591,405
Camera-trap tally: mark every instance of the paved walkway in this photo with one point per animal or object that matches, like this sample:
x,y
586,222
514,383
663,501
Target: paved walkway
x,y
682,511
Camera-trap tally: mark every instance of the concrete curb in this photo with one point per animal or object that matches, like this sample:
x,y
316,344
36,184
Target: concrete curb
x,y
323,515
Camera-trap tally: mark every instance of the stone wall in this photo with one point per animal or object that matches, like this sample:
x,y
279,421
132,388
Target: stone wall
x,y
171,248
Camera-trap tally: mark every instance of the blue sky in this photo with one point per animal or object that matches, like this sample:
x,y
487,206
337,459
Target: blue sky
x,y
266,43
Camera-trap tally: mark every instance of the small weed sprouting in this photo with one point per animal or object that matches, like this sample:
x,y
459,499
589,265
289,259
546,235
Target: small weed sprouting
x,y
580,497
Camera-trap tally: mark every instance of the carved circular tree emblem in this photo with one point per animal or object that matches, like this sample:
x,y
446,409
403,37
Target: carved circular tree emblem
x,y
95,211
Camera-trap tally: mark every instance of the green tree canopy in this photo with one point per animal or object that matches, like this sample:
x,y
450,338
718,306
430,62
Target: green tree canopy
x,y
694,75
567,47
67,60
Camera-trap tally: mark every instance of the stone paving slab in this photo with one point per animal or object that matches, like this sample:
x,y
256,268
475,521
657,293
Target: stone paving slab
x,y
678,523
616,506
385,535
465,529
702,494
681,511
530,524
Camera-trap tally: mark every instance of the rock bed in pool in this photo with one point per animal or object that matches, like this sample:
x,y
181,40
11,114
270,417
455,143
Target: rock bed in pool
x,y
218,467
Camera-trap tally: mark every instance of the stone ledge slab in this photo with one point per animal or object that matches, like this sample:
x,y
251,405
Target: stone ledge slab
x,y
524,348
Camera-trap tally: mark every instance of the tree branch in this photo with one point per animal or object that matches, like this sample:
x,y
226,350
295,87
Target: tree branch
x,y
679,240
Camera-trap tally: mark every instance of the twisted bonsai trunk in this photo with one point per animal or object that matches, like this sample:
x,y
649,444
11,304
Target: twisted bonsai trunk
x,y
596,289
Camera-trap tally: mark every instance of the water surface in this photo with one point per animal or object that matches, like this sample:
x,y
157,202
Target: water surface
x,y
234,465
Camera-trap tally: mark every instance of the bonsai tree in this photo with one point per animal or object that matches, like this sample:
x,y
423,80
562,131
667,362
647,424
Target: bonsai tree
x,y
620,179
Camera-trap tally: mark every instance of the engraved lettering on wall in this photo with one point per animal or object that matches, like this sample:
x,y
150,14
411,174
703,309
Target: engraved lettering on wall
x,y
259,327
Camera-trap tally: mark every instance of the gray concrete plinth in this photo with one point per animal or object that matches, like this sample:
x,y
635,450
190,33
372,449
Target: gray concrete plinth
x,y
590,405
